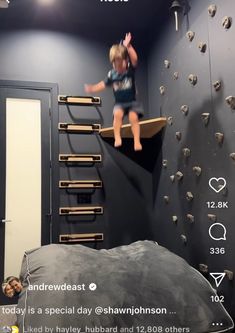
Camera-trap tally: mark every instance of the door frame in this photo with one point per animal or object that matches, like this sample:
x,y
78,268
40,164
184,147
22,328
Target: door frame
x,y
52,89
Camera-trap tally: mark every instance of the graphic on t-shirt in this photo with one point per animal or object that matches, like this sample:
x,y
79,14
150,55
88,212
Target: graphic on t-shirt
x,y
123,85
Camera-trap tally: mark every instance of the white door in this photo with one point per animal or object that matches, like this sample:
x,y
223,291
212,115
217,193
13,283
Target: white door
x,y
25,175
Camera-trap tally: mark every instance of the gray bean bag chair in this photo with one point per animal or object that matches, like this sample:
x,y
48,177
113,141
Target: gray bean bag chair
x,y
139,285
7,318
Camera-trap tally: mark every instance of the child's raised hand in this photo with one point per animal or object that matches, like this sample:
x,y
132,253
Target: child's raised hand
x,y
127,39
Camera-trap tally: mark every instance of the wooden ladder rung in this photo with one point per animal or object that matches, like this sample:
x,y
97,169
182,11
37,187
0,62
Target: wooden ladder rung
x,y
80,184
72,238
81,210
79,100
79,128
90,158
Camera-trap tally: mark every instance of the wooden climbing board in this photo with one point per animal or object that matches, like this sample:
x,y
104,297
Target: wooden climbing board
x,y
70,184
74,238
81,210
79,128
148,128
89,158
79,100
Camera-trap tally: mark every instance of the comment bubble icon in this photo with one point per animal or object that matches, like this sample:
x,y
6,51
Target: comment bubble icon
x,y
217,231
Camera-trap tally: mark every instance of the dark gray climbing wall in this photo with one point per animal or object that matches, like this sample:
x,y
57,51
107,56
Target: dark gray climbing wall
x,y
205,134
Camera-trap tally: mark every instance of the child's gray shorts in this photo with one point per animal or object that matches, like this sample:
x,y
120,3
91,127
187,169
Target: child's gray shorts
x,y
130,106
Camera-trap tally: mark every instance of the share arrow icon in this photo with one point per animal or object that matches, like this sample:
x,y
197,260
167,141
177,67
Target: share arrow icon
x,y
218,277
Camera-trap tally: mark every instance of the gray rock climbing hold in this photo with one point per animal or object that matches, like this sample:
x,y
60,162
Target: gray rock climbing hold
x,y
176,75
205,118
229,274
162,90
203,268
164,163
166,199
227,22
197,170
189,196
186,152
193,79
217,85
190,35
183,238
170,121
219,137
167,63
212,9
202,47
172,178
184,109
230,100
232,155
174,218
179,175
190,218
178,135
212,217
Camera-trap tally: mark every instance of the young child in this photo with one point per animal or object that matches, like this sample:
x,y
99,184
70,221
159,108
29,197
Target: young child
x,y
122,78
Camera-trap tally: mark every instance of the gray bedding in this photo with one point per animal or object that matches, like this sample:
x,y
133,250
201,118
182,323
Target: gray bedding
x,y
158,291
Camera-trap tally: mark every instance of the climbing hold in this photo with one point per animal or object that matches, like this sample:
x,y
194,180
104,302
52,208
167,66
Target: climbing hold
x,y
186,152
176,75
219,137
170,121
229,274
197,170
164,163
166,199
172,178
202,47
167,63
179,175
212,9
174,218
232,155
231,101
184,109
162,90
203,268
189,196
217,85
178,135
190,218
190,35
183,238
205,118
193,79
212,217
227,22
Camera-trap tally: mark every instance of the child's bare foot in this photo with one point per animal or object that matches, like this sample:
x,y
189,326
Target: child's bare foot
x,y
118,142
137,146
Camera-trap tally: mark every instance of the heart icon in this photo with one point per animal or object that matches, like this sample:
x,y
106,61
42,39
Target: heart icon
x,y
219,184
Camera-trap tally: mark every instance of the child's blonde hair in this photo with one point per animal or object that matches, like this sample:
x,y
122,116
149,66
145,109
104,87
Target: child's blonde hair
x,y
118,51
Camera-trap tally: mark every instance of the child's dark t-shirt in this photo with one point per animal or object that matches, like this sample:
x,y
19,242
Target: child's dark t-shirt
x,y
123,85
